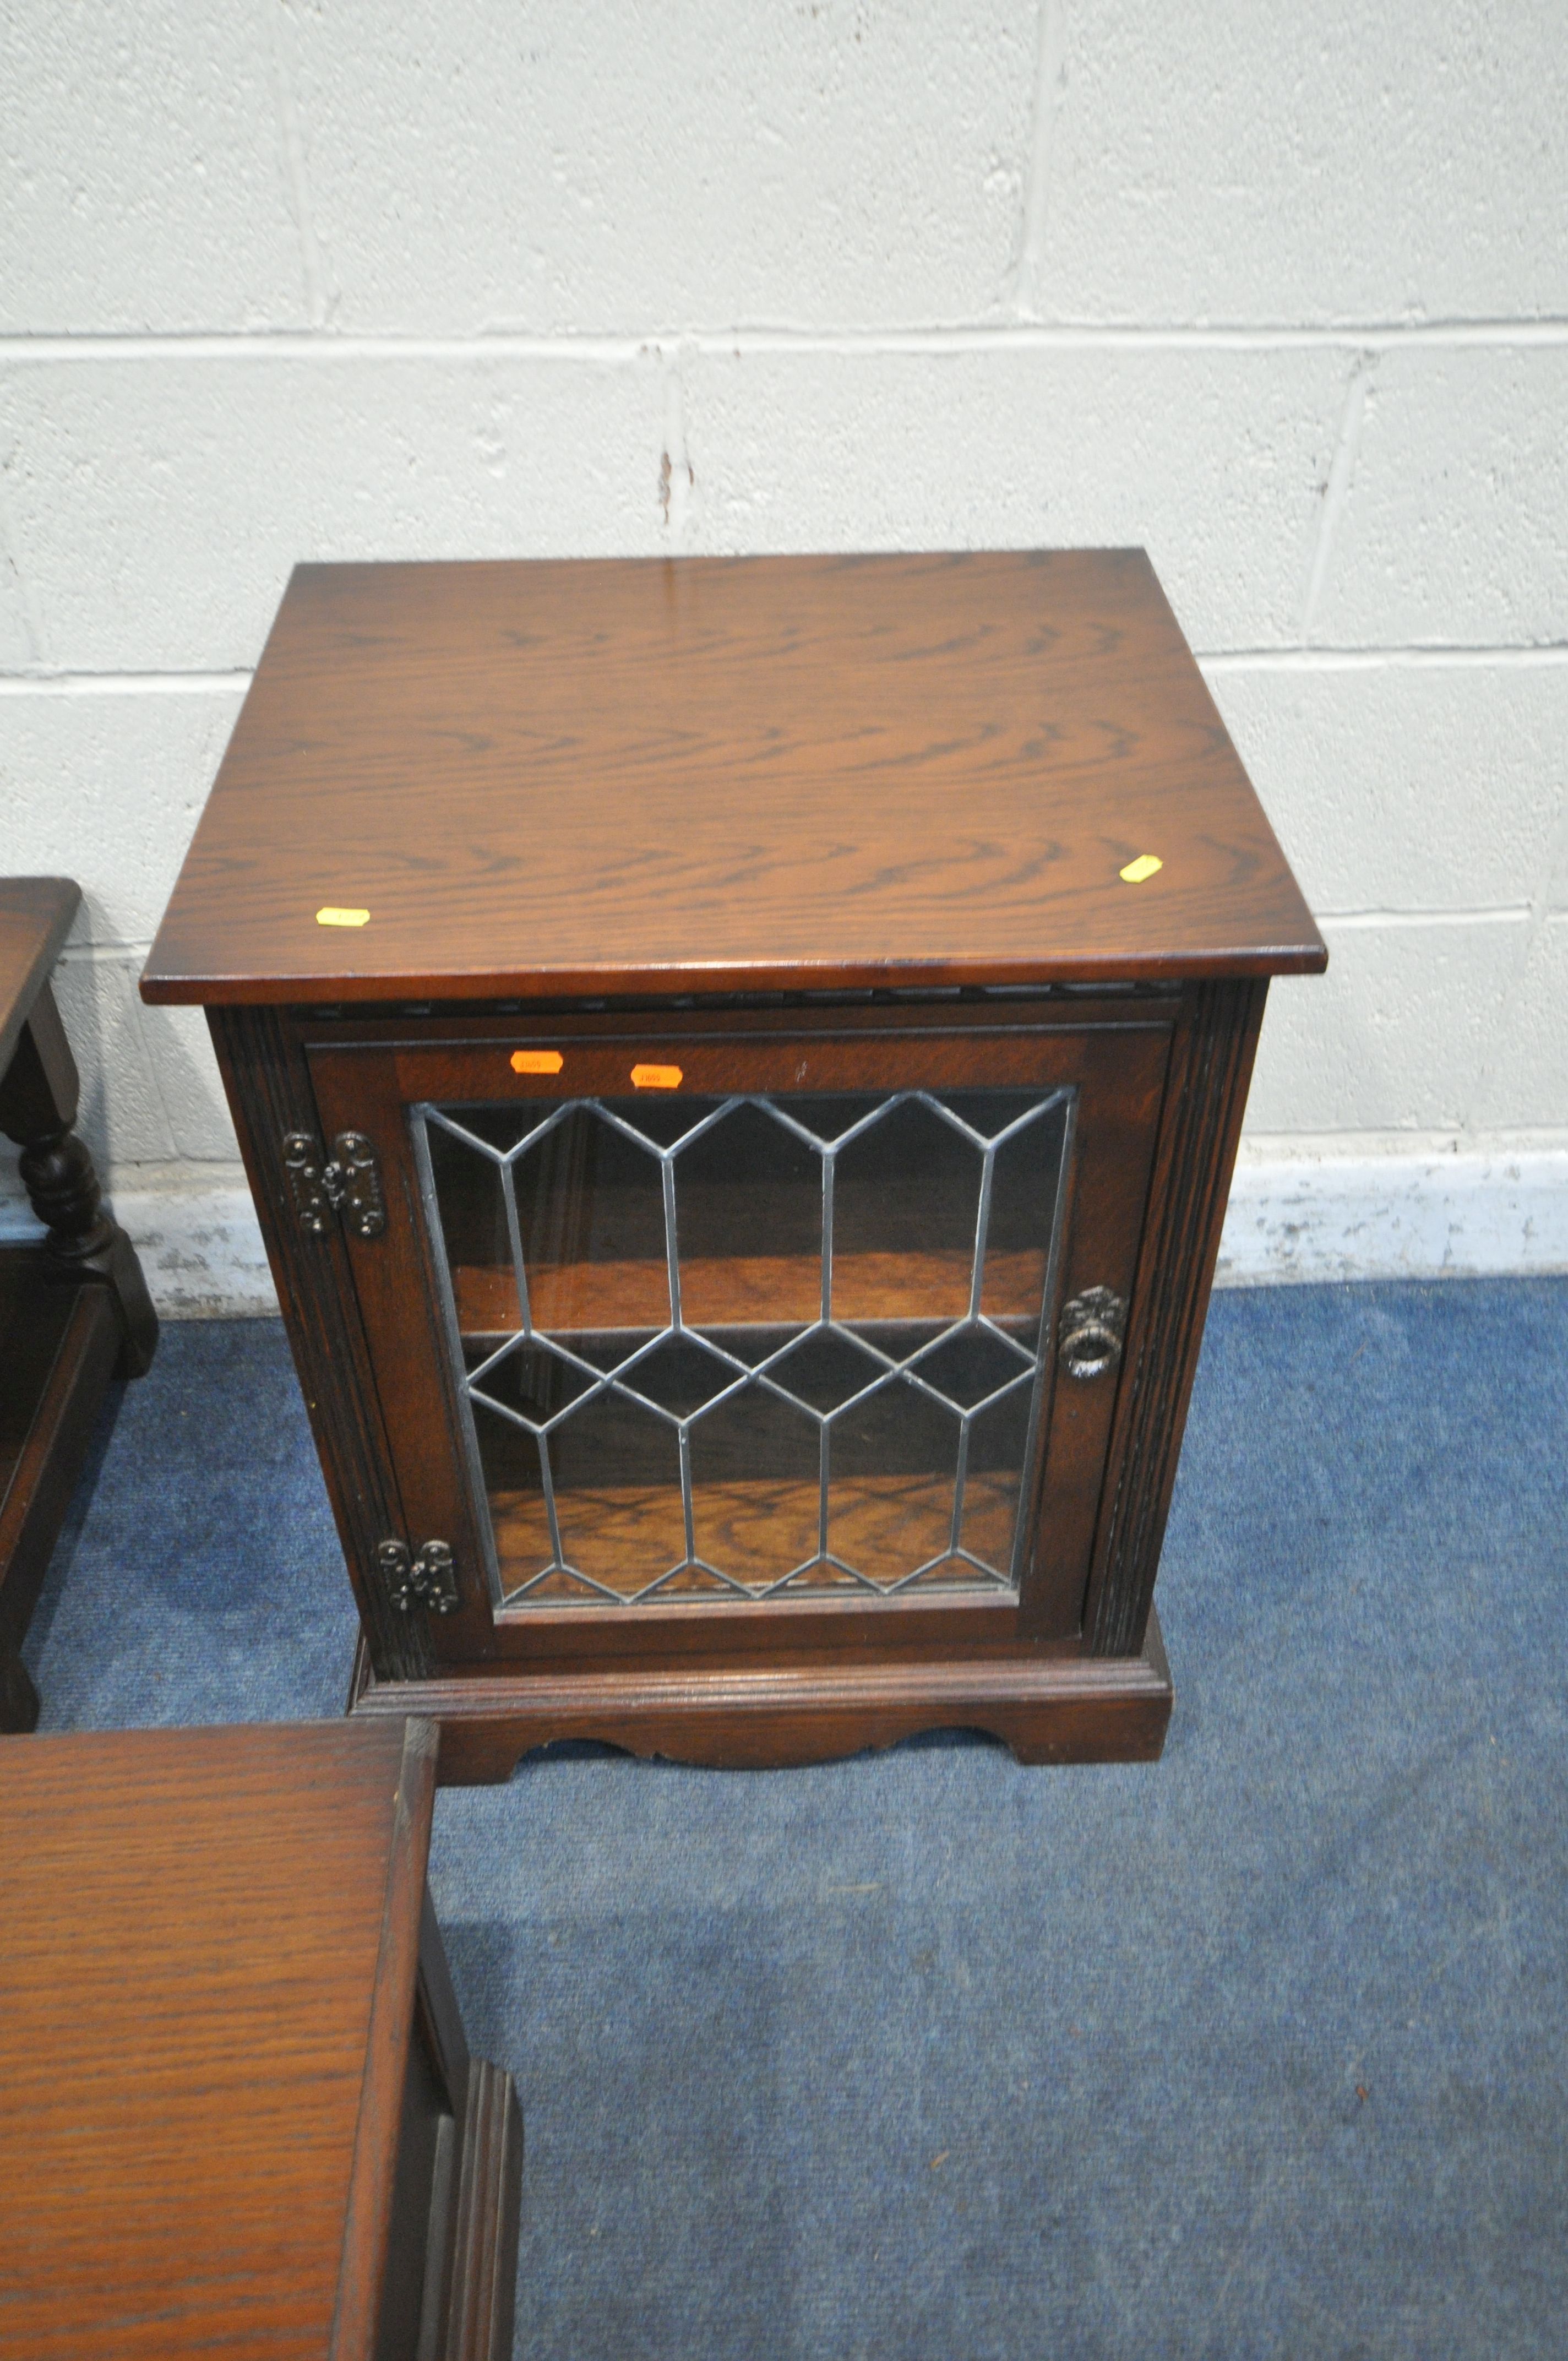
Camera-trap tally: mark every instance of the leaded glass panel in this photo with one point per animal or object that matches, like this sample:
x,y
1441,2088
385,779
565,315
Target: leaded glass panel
x,y
728,1348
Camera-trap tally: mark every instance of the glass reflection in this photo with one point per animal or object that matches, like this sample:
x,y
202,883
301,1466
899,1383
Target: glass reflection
x,y
725,1348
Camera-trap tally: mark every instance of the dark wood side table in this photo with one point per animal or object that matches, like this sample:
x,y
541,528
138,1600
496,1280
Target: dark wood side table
x,y
73,1311
238,2112
739,1064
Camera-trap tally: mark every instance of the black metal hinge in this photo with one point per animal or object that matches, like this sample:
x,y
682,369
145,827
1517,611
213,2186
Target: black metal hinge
x,y
347,1183
428,1580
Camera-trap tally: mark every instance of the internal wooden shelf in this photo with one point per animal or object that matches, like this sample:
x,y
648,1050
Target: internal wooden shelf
x,y
748,1291
757,1529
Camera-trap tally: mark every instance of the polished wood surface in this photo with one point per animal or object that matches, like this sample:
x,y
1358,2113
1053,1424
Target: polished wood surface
x,y
212,1947
1206,1099
745,1712
34,918
655,775
734,827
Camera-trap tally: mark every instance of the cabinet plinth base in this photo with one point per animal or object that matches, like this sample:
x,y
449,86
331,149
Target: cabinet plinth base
x,y
739,1715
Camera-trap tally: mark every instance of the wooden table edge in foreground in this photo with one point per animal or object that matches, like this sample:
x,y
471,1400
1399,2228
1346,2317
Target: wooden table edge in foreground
x,y
477,2186
193,2158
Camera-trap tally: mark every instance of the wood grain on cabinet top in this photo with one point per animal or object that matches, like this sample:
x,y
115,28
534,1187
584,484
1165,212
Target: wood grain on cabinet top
x,y
554,779
198,2046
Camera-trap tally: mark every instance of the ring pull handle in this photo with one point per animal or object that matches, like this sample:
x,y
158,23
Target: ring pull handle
x,y
1093,1327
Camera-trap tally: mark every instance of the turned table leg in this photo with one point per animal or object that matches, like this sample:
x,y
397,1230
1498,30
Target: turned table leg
x,y
37,1108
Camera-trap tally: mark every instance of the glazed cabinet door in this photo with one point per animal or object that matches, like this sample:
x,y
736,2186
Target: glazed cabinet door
x,y
689,1338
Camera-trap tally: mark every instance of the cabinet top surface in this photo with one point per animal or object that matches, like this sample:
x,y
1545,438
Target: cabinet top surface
x,y
655,775
193,1929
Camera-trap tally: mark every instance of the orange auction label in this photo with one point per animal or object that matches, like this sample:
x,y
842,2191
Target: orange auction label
x,y
656,1077
536,1061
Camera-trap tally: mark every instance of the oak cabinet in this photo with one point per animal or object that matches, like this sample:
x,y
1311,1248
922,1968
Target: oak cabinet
x,y
740,1063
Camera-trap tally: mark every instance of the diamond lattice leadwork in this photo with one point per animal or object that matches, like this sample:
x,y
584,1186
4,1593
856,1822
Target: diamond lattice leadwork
x,y
746,1345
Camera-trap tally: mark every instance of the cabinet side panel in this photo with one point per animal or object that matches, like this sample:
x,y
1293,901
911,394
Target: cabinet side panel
x,y
418,2235
1205,1100
439,2012
270,1095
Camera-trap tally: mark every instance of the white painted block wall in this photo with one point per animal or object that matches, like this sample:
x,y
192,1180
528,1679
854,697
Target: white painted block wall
x,y
1281,293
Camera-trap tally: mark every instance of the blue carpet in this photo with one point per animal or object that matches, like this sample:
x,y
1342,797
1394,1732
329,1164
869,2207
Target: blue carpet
x,y
1260,2050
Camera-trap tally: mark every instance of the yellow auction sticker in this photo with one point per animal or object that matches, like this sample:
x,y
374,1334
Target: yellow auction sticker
x,y
536,1061
333,917
656,1077
1144,866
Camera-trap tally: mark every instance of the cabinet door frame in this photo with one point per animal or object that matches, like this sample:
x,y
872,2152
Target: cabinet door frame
x,y
367,1077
